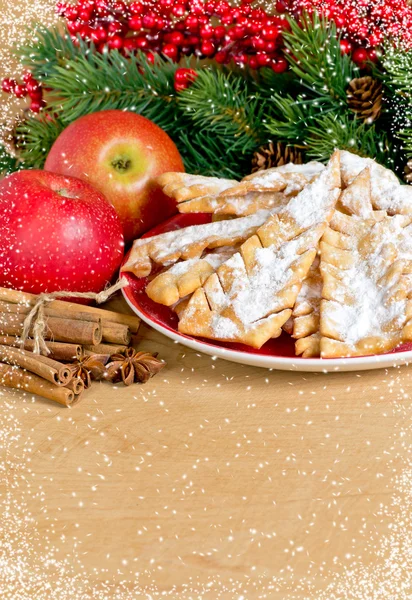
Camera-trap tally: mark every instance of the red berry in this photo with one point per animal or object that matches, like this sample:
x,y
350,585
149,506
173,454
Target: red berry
x,y
210,7
166,5
115,27
281,6
135,23
220,32
345,46
74,26
171,51
179,10
84,15
340,21
207,48
36,106
177,38
141,43
136,8
240,59
71,13
32,86
193,40
262,59
270,33
258,43
360,56
20,91
116,42
192,23
185,75
27,76
221,57
8,85
206,32
94,36
279,64
373,55
253,63
227,19
101,33
149,21
129,45
101,7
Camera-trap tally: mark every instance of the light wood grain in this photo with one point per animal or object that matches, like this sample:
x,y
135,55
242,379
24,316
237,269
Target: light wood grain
x,y
218,472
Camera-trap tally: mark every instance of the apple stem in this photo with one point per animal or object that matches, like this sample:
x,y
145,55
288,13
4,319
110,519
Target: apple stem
x,y
122,164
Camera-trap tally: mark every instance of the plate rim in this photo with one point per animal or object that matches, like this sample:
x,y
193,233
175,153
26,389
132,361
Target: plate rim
x,y
316,365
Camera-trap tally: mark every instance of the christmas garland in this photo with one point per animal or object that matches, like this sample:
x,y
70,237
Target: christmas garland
x,y
235,87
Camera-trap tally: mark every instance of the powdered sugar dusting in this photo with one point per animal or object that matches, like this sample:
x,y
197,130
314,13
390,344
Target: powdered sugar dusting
x,y
361,306
387,193
313,204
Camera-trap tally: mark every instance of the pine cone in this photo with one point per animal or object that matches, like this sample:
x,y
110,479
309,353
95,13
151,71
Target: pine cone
x,y
408,171
365,98
277,155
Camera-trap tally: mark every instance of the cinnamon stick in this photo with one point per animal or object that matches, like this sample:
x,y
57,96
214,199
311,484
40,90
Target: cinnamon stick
x,y
104,349
24,309
59,329
115,333
58,350
47,368
76,385
69,309
17,378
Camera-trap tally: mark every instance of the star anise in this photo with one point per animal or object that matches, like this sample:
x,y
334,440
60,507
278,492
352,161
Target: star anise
x,y
90,368
131,366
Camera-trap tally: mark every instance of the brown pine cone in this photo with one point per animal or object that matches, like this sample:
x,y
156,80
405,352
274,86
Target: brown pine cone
x,y
272,155
408,171
364,96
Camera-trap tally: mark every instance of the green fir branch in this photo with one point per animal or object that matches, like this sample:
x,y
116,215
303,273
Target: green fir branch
x,y
202,154
8,163
397,80
34,139
112,81
315,57
348,133
221,105
293,117
49,49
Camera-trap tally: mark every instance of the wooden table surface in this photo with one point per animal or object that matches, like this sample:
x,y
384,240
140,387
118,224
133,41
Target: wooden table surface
x,y
213,481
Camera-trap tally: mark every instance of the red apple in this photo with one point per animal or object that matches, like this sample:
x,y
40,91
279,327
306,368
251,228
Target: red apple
x,y
121,154
57,233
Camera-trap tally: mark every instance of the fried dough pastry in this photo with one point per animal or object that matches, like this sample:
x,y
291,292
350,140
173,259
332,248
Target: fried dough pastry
x,y
386,191
184,277
268,189
366,266
190,242
251,295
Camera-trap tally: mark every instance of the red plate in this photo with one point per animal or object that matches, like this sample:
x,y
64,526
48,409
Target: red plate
x,y
277,353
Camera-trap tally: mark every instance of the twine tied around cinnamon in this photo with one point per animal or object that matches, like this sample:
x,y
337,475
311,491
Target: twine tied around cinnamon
x,y
36,321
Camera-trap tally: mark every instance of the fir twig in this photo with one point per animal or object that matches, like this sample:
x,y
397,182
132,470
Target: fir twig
x,y
49,49
346,133
315,57
34,139
8,164
293,118
221,104
111,81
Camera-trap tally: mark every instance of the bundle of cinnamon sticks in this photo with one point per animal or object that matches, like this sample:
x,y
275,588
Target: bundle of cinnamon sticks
x,y
72,332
